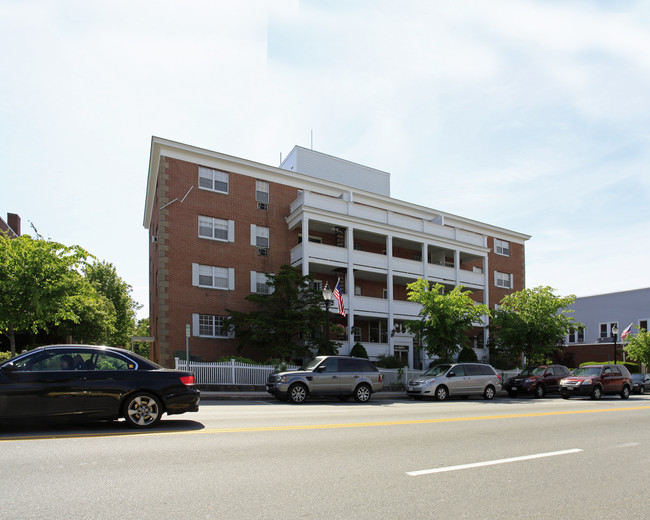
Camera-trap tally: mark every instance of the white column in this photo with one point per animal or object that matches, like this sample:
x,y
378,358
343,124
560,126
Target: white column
x,y
305,246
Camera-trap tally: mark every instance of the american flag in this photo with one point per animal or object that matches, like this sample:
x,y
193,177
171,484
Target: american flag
x,y
339,298
626,332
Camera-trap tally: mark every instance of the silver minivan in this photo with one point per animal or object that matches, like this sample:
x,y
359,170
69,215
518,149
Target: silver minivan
x,y
340,376
448,379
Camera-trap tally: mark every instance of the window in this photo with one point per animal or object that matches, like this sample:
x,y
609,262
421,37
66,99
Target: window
x,y
317,285
501,247
213,180
315,240
262,192
209,326
643,325
576,335
259,283
217,229
260,236
384,294
213,277
356,332
357,290
606,329
503,280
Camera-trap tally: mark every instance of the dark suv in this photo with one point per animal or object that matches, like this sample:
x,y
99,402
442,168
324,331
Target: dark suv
x,y
537,380
339,376
596,380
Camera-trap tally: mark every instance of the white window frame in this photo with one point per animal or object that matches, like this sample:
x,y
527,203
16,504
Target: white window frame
x,y
608,329
199,321
258,280
214,224
576,335
216,273
216,178
501,247
258,235
501,278
262,191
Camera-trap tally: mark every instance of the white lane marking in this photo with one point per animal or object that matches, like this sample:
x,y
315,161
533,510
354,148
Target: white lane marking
x,y
491,462
629,445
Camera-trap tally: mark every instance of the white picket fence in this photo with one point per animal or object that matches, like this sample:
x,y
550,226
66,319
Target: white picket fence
x,y
229,373
235,373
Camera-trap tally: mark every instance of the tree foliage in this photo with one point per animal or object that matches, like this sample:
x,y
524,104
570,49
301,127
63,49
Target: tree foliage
x,y
533,322
37,281
104,278
49,287
287,322
638,347
445,317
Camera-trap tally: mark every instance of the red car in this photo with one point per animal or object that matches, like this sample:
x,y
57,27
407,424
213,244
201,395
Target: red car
x,y
597,380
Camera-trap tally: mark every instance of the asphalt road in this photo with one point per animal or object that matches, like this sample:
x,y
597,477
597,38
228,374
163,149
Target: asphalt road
x,y
507,458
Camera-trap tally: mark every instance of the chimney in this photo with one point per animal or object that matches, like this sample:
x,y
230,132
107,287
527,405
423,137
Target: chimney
x,y
13,221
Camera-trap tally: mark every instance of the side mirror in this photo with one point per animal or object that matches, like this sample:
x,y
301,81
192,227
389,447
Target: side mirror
x,y
8,367
451,374
321,368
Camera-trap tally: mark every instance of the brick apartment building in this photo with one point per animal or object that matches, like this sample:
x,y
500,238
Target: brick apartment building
x,y
218,224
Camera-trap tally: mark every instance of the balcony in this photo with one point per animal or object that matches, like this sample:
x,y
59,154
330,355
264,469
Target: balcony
x,y
368,212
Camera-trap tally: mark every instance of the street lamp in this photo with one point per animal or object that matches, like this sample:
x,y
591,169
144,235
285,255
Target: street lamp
x,y
615,334
327,296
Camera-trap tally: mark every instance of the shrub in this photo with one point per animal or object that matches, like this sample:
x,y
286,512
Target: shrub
x,y
467,355
359,351
5,355
389,362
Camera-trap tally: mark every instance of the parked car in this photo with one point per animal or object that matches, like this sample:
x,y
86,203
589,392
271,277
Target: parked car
x,y
537,380
339,376
451,379
597,380
93,382
641,383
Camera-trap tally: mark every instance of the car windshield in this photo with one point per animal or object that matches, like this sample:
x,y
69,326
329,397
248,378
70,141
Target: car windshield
x,y
312,364
637,377
532,371
437,370
587,371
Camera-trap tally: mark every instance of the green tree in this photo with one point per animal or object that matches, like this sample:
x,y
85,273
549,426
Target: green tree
x,y
142,330
638,347
37,280
445,317
104,278
286,321
533,322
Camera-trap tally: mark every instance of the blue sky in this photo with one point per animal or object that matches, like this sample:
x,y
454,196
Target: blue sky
x,y
529,115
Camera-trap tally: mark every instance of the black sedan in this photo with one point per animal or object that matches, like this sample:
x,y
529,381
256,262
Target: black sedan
x,y
641,383
91,382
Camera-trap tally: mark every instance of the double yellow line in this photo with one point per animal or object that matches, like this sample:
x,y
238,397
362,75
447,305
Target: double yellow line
x,y
252,429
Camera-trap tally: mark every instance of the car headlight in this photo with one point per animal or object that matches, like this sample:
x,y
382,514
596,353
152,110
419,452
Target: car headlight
x,y
586,382
529,380
429,381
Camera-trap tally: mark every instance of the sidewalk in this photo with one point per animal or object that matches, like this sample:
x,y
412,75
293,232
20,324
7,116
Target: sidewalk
x,y
233,395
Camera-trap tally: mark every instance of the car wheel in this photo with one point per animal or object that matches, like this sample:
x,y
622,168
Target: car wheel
x,y
625,393
539,391
642,390
512,393
142,410
441,393
362,393
489,392
565,395
596,393
297,393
